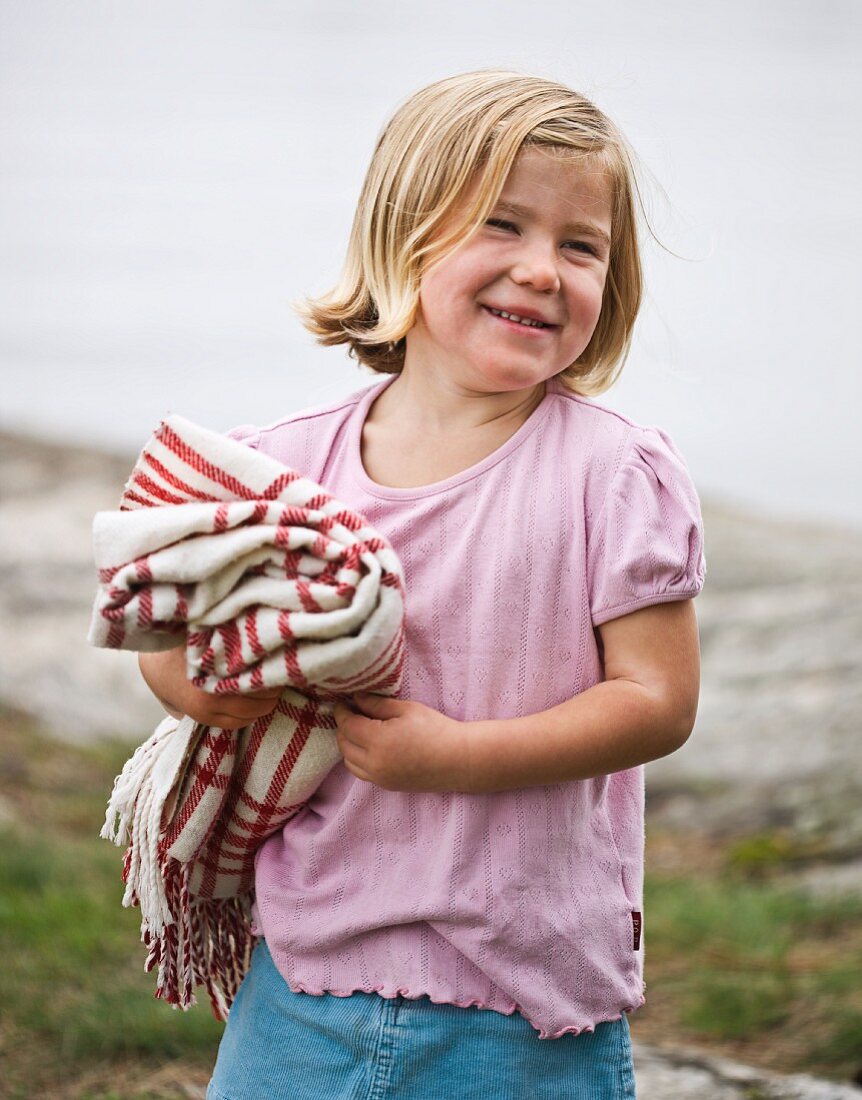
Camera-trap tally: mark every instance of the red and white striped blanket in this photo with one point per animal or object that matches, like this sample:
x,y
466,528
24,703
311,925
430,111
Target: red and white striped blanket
x,y
271,582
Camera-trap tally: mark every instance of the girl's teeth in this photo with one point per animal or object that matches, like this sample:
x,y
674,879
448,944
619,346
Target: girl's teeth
x,y
515,317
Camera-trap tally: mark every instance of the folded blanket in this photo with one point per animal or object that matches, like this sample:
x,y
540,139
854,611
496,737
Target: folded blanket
x,y
268,581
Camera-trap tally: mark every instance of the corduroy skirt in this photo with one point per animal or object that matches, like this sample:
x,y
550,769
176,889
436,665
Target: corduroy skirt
x,y
280,1044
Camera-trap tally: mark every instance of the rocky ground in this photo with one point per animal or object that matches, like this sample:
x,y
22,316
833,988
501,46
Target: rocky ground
x,y
776,745
777,736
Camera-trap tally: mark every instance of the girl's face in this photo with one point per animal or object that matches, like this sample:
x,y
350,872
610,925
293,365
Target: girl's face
x,y
542,256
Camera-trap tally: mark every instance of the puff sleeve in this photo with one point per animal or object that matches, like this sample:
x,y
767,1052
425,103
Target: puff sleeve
x,y
646,545
245,433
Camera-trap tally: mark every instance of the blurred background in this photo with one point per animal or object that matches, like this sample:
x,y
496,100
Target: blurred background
x,y
172,177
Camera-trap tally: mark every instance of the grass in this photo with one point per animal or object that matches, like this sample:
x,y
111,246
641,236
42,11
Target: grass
x,y
735,963
764,974
79,1018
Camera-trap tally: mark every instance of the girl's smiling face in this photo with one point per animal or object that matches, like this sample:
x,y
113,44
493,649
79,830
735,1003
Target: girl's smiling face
x,y
542,256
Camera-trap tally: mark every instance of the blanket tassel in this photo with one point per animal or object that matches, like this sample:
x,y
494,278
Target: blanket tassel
x,y
193,941
208,943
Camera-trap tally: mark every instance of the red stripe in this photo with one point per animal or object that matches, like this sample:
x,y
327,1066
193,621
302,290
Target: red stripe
x,y
268,814
239,775
351,520
206,662
145,608
154,489
130,495
309,603
320,545
220,521
232,639
142,569
284,627
290,564
115,612
275,488
214,746
207,777
172,479
202,466
294,516
251,633
375,676
228,685
295,675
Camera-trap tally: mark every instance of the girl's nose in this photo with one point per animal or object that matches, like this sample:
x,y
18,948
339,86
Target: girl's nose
x,y
536,266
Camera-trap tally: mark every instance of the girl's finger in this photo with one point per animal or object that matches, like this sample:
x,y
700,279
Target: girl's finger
x,y
341,712
350,743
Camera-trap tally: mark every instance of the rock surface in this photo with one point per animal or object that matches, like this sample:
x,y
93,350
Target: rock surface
x,y
689,1075
47,580
776,741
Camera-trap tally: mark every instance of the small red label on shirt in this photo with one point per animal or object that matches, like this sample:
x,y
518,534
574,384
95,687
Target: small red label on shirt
x,y
636,928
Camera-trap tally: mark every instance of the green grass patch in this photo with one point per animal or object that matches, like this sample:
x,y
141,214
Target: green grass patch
x,y
757,856
75,996
770,973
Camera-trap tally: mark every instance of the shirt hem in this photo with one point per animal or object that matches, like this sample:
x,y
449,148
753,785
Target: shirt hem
x,y
391,992
574,1030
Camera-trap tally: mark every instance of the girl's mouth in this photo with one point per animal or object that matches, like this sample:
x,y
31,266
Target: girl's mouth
x,y
517,323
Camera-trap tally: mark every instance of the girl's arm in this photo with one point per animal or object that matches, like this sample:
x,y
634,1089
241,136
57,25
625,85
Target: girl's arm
x,y
165,676
645,708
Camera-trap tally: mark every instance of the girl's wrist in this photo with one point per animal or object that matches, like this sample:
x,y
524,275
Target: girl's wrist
x,y
164,675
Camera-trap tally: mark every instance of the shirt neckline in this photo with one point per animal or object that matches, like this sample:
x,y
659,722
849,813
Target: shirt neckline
x,y
390,492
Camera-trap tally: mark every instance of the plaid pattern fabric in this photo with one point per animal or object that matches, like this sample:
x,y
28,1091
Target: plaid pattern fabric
x,y
271,582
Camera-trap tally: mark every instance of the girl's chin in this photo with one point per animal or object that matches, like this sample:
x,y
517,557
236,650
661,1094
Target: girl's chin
x,y
510,381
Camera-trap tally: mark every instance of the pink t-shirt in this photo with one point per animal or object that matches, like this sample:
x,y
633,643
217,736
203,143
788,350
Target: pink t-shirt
x,y
526,900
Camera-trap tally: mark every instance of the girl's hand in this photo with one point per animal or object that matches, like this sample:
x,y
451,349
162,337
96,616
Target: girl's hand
x,y
165,675
402,745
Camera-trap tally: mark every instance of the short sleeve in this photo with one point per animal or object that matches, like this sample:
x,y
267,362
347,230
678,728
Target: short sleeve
x,y
646,545
245,433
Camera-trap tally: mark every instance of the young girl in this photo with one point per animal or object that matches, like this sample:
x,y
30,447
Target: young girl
x,y
457,911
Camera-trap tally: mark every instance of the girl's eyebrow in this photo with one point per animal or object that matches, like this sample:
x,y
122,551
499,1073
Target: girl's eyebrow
x,y
571,227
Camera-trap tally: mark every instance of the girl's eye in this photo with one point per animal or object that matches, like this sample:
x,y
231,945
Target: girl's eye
x,y
498,223
582,246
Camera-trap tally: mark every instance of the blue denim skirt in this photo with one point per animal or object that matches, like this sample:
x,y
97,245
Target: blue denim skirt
x,y
279,1044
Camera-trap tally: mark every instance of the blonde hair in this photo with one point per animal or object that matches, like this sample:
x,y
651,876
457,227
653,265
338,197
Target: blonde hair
x,y
465,130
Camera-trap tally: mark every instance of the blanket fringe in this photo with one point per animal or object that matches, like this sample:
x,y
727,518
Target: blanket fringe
x,y
128,783
209,943
192,941
135,811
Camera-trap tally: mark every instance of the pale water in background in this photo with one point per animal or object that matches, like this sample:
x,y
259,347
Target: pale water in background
x,y
173,175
